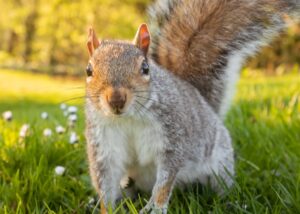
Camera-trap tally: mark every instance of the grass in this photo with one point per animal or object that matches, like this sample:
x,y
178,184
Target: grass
x,y
264,123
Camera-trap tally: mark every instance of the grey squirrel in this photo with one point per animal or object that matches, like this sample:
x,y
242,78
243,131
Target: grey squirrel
x,y
146,124
152,111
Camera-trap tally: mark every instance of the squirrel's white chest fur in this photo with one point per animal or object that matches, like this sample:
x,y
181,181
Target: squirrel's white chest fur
x,y
131,145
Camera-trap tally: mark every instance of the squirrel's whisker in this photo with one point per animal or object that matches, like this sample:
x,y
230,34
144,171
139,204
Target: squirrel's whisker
x,y
76,98
149,99
74,88
139,112
145,110
144,91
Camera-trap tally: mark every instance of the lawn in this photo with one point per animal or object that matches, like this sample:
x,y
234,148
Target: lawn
x,y
264,123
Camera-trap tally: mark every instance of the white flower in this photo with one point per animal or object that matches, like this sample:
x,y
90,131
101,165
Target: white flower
x,y
60,129
44,115
66,113
47,132
24,131
60,170
7,115
73,118
73,138
72,109
63,106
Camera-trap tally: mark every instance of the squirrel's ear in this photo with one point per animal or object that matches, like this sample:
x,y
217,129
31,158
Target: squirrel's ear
x,y
93,42
142,39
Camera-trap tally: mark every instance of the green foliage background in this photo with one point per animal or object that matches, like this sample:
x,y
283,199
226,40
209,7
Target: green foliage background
x,y
50,35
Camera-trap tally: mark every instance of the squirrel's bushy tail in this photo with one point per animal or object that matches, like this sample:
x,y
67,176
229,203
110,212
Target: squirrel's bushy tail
x,y
206,41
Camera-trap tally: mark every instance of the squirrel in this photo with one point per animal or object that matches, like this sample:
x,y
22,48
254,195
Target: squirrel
x,y
154,107
146,124
206,42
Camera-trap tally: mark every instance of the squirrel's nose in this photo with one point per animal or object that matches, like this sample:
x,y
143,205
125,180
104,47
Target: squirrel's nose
x,y
116,100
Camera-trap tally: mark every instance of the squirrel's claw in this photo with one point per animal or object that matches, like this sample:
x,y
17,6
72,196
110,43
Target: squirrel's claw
x,y
154,209
148,207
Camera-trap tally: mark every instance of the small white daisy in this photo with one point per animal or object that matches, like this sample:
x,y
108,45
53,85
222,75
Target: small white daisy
x,y
63,106
44,115
73,138
60,129
7,115
47,132
72,109
24,131
60,170
72,118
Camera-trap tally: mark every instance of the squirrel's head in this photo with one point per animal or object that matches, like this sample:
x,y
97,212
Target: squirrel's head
x,y
118,75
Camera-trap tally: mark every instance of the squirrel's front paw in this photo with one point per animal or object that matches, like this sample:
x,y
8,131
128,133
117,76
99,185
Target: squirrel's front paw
x,y
154,209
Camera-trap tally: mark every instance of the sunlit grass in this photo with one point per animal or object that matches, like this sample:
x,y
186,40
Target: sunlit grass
x,y
264,123
18,85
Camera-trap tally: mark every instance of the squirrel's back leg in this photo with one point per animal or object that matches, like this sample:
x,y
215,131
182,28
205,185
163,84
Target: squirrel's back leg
x,y
216,167
221,172
222,179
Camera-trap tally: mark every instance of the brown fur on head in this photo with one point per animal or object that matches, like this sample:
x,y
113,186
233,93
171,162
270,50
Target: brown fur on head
x,y
118,73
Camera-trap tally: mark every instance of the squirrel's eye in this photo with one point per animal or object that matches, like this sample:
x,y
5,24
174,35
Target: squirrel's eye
x,y
145,68
89,70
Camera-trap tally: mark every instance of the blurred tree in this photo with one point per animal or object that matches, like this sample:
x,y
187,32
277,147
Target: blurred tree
x,y
30,29
47,34
11,41
285,50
